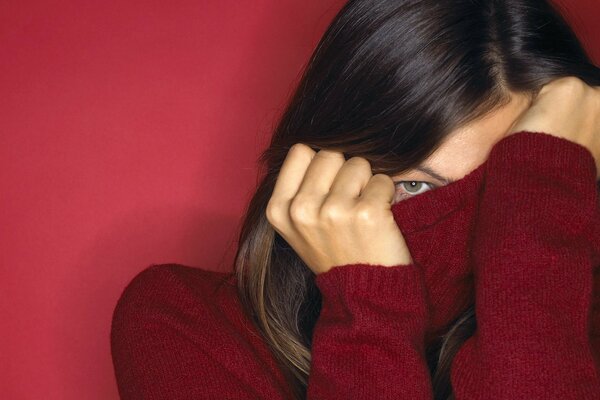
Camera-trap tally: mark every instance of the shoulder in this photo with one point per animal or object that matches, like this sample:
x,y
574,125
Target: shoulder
x,y
158,281
174,291
180,329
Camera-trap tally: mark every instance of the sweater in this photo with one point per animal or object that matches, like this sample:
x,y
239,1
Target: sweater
x,y
518,237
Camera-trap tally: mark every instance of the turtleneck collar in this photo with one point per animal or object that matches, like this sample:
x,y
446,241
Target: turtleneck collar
x,y
437,227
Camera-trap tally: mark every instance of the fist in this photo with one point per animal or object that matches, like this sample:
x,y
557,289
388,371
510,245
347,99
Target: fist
x,y
567,108
334,212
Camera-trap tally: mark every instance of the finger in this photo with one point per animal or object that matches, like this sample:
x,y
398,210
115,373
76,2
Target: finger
x,y
352,177
292,172
320,173
380,188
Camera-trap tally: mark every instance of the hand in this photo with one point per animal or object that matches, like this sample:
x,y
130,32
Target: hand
x,y
567,108
334,212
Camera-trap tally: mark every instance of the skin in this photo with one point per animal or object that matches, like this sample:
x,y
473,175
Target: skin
x,y
335,212
463,150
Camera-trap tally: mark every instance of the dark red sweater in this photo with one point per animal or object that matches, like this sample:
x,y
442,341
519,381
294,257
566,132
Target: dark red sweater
x,y
519,236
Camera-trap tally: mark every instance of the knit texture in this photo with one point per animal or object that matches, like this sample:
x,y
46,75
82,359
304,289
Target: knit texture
x,y
519,237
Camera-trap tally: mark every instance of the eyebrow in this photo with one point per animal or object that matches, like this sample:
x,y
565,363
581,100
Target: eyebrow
x,y
434,174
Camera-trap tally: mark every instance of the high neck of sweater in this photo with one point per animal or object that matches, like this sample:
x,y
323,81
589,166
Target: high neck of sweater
x,y
437,227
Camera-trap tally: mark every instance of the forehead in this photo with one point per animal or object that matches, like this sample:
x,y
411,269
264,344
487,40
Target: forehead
x,y
467,147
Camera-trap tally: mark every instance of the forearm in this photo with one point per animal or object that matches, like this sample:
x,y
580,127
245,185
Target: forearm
x,y
533,274
369,340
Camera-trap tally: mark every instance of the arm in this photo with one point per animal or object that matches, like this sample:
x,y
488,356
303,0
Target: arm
x,y
595,320
533,275
368,342
175,337
595,312
595,307
169,342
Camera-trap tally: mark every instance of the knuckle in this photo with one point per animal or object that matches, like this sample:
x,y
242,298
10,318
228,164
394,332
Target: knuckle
x,y
383,179
301,149
332,210
301,209
366,212
273,211
359,162
572,84
573,80
330,154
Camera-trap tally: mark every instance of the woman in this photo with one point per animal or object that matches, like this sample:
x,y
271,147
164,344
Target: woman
x,y
425,227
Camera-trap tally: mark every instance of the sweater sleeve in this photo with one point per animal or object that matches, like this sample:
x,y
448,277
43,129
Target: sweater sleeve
x,y
368,342
595,318
533,271
172,338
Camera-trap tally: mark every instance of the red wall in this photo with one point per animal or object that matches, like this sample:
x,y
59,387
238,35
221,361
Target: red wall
x,y
128,136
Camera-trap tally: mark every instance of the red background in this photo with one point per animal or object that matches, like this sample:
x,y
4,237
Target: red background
x,y
128,136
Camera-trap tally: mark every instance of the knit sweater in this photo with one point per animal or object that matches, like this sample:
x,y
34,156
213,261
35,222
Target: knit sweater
x,y
518,237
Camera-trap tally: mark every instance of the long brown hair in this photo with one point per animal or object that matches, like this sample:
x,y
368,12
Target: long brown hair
x,y
388,81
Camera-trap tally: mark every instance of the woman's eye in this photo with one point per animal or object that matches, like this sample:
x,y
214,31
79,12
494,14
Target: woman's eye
x,y
408,189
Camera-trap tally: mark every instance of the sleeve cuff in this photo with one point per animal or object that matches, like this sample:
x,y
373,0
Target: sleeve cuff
x,y
552,154
392,288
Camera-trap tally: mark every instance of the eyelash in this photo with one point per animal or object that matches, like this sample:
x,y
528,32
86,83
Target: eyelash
x,y
408,195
